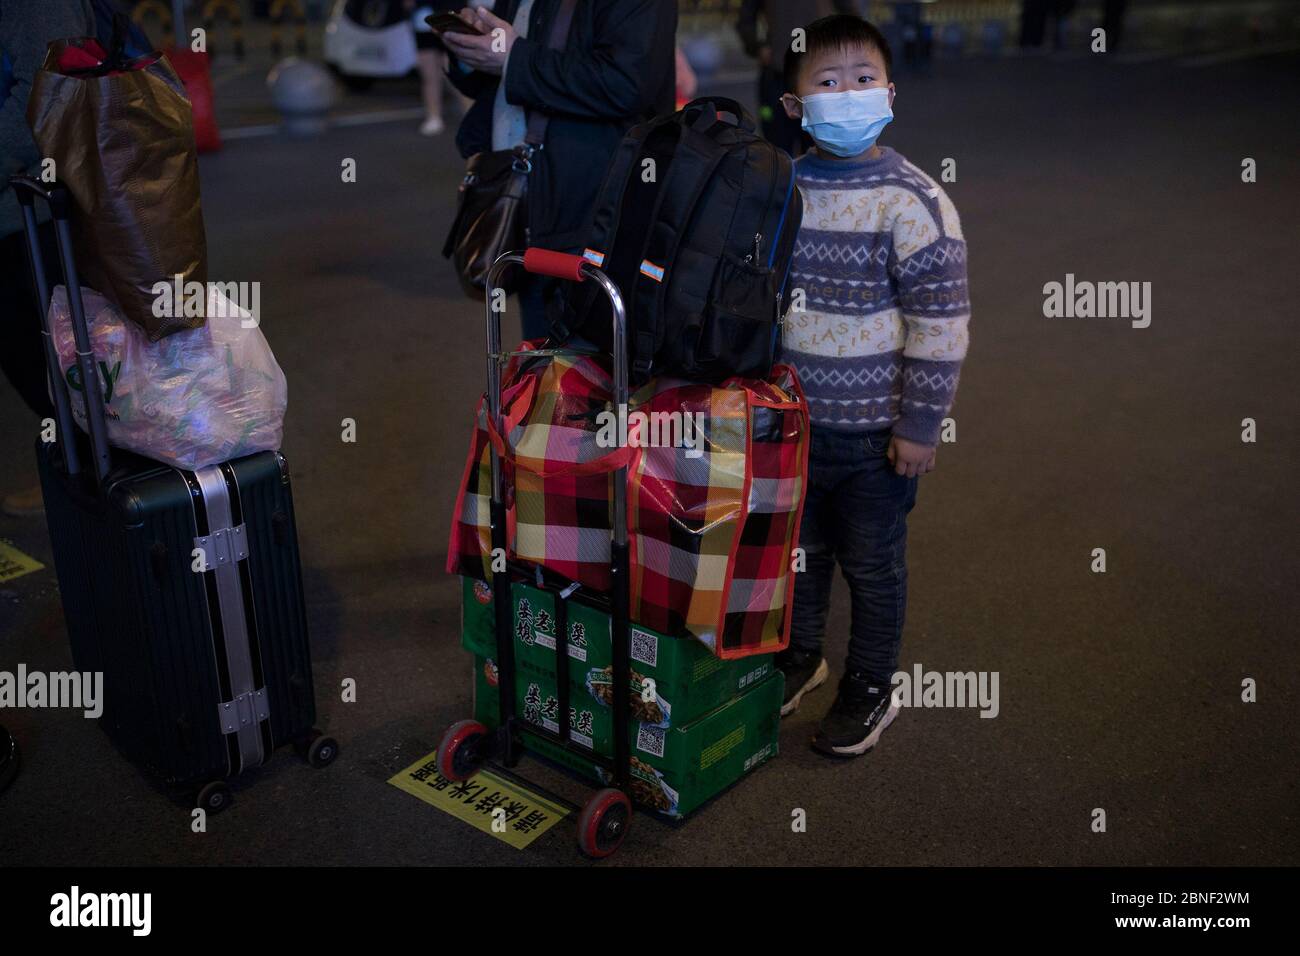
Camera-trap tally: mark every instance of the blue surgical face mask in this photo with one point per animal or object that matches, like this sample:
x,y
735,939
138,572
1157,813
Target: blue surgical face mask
x,y
847,123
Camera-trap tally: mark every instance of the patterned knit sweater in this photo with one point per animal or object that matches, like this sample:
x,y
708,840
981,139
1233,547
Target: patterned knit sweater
x,y
882,265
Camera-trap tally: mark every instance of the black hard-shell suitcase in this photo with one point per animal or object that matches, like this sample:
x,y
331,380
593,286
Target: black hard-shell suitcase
x,y
184,589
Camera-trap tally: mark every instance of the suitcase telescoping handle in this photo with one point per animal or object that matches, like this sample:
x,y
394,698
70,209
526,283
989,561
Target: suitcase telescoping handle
x,y
27,190
571,268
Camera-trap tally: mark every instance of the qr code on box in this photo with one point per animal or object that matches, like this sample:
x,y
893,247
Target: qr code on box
x,y
651,740
645,648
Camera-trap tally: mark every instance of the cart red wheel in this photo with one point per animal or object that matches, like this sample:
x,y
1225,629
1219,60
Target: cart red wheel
x,y
461,750
604,822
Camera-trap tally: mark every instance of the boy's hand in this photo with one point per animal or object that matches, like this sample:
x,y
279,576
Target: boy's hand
x,y
911,458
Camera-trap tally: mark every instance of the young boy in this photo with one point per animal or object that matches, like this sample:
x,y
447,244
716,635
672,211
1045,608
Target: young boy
x,y
878,348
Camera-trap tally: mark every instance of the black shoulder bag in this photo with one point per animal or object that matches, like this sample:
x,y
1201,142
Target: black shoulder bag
x,y
492,206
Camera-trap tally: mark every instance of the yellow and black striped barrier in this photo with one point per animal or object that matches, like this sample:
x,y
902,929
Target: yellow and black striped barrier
x,y
281,10
157,11
230,12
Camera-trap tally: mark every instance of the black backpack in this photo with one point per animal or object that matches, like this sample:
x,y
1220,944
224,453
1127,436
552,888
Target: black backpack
x,y
700,250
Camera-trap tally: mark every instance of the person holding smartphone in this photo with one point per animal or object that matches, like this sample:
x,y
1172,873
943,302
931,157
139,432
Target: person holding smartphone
x,y
617,69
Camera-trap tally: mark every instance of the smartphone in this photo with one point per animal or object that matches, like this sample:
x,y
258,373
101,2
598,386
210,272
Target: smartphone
x,y
450,23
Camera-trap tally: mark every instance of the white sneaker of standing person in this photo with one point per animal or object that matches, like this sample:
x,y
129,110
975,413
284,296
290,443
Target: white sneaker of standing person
x,y
432,126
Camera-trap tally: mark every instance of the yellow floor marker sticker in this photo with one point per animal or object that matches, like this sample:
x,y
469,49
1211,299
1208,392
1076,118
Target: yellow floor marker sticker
x,y
14,564
486,801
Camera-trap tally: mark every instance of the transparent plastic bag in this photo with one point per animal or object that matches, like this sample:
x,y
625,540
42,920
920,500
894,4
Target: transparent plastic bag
x,y
192,399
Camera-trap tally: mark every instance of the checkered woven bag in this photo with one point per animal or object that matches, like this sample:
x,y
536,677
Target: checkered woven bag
x,y
716,483
563,475
559,483
470,548
712,529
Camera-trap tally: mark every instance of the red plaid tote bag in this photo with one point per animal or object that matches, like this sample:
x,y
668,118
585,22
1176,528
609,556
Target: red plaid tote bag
x,y
713,527
716,484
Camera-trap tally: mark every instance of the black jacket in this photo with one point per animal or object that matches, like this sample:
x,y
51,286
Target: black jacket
x,y
617,69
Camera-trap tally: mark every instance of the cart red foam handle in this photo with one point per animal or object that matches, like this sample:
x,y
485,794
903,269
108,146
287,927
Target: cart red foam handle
x,y
561,265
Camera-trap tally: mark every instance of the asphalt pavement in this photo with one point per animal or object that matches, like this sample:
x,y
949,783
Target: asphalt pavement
x,y
1119,690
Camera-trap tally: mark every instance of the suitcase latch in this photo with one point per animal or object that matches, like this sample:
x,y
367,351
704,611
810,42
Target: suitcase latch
x,y
244,710
226,546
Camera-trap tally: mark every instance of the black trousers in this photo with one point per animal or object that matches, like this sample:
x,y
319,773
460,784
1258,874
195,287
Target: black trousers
x,y
1034,15
22,351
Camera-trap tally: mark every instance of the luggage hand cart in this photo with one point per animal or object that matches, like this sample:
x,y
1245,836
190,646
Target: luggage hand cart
x,y
468,744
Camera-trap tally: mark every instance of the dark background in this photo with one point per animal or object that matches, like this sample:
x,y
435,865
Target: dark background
x,y
1118,690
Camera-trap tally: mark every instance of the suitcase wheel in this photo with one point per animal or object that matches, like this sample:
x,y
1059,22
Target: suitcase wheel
x,y
317,749
322,751
215,797
603,823
463,749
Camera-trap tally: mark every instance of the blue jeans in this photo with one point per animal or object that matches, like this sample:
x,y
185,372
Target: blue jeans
x,y
855,514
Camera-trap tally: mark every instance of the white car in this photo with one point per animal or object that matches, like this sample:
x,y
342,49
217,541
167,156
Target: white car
x,y
366,40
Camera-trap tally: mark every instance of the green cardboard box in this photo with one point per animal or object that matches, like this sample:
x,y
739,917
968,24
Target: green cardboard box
x,y
674,769
675,680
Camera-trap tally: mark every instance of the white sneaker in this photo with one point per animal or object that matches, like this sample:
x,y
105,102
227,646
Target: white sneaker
x,y
432,126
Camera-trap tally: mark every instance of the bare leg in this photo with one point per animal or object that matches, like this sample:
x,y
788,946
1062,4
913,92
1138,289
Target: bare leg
x,y
430,63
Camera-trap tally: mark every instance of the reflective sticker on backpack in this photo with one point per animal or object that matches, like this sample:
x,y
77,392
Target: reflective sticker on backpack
x,y
655,272
594,257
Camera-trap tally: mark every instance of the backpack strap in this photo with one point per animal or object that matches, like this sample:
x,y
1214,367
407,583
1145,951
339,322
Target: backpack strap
x,y
695,161
579,298
609,208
